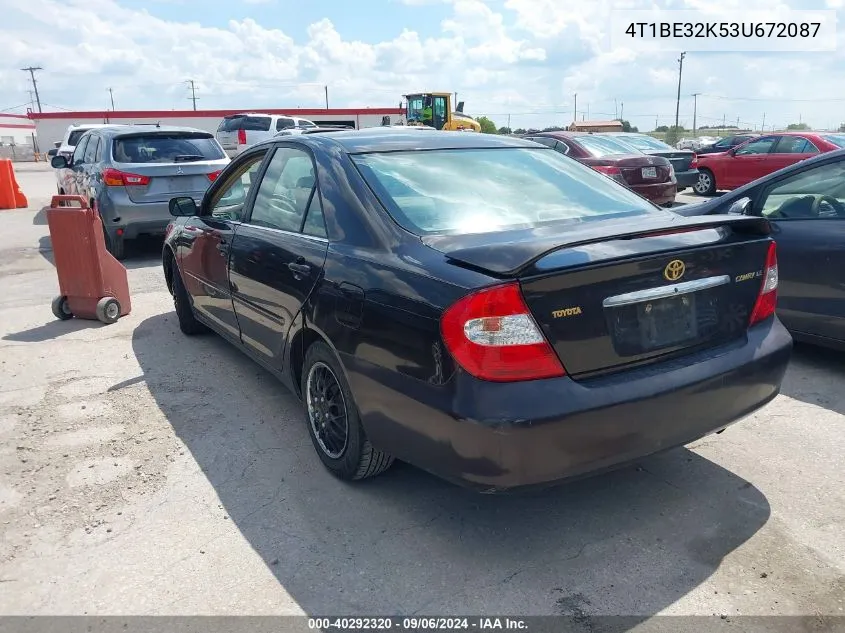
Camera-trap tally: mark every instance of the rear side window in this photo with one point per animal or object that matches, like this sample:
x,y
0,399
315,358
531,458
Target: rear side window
x,y
489,190
794,145
248,123
166,148
836,139
285,123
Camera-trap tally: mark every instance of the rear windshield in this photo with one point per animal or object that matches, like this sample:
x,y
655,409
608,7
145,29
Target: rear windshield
x,y
599,146
74,137
836,139
249,123
644,142
166,148
488,190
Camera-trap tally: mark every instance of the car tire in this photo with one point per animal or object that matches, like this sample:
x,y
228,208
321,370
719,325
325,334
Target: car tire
x,y
334,424
706,185
188,322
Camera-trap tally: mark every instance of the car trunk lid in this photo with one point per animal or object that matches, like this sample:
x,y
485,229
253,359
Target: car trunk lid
x,y
635,169
635,295
681,160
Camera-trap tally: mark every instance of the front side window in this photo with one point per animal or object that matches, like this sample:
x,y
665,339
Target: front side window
x,y
92,149
228,201
79,151
760,146
488,190
285,191
817,193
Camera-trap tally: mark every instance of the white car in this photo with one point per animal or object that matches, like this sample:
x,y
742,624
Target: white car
x,y
236,132
73,134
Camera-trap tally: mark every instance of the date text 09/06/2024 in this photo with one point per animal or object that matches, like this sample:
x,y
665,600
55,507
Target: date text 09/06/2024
x,y
723,29
417,623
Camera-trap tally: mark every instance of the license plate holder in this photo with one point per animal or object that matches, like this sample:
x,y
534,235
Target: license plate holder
x,y
649,172
667,322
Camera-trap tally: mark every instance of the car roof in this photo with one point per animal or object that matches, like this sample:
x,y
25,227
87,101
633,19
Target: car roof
x,y
120,130
388,139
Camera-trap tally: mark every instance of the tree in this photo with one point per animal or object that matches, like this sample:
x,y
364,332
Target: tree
x,y
554,128
519,131
662,128
673,134
505,130
797,126
627,127
487,126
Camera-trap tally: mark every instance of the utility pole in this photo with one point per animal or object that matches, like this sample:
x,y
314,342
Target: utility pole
x,y
31,70
31,98
694,110
680,74
575,109
737,123
327,96
615,110
588,110
509,121
193,96
622,111
111,96
763,127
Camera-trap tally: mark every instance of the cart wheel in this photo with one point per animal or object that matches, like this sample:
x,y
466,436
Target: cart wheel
x,y
108,310
61,309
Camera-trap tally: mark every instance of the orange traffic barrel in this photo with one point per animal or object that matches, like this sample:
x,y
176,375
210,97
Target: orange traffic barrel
x,y
92,283
8,185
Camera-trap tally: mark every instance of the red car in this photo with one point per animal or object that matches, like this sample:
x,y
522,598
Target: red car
x,y
650,176
760,157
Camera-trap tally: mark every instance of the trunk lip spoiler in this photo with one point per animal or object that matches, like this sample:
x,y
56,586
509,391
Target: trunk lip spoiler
x,y
532,248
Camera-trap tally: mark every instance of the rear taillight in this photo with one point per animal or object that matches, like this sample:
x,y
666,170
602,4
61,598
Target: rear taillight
x,y
116,178
768,298
694,162
492,335
612,172
242,137
213,175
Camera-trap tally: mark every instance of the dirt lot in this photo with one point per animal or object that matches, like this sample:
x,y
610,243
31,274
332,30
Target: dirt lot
x,y
147,473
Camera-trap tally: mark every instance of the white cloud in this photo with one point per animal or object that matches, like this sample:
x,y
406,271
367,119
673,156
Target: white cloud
x,y
524,57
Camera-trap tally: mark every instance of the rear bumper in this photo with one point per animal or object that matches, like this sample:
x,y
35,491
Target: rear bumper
x,y
659,193
496,437
686,178
119,212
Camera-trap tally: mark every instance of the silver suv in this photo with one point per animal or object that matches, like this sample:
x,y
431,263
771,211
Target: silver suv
x,y
129,173
236,132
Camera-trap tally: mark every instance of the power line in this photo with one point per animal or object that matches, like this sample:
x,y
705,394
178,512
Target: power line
x,y
31,70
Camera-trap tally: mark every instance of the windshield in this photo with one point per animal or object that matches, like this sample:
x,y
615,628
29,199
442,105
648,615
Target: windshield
x,y
642,142
166,148
836,139
73,138
486,190
599,146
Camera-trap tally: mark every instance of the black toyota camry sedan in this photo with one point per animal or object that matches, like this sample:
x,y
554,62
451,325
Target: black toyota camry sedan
x,y
480,306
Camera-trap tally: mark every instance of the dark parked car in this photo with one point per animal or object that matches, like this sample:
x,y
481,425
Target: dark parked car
x,y
725,144
480,306
650,176
129,173
683,160
805,204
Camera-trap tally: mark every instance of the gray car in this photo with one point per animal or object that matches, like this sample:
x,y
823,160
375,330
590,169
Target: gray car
x,y
129,173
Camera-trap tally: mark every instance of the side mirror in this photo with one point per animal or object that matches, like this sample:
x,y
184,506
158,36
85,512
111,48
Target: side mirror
x,y
182,207
740,207
58,162
52,152
57,144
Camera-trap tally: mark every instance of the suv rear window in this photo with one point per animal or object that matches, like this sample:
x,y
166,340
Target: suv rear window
x,y
166,147
248,123
490,190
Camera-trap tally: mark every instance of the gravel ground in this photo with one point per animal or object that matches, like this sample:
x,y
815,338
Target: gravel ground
x,y
142,472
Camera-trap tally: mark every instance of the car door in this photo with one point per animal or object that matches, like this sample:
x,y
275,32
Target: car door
x,y
747,162
788,151
86,175
807,211
72,175
278,253
204,246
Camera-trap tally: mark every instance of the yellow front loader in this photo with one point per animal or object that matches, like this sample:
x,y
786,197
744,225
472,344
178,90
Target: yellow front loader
x,y
434,109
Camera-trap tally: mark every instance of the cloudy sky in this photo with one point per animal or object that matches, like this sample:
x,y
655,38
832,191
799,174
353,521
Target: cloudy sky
x,y
517,59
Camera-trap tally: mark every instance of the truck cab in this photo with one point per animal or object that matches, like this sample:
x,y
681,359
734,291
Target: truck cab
x,y
434,109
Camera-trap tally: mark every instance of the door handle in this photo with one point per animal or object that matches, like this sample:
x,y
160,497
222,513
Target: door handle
x,y
223,246
299,270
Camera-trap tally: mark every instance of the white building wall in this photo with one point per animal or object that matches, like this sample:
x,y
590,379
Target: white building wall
x,y
16,129
51,127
